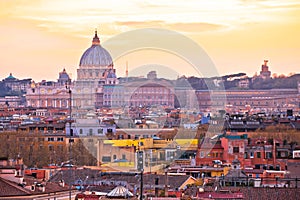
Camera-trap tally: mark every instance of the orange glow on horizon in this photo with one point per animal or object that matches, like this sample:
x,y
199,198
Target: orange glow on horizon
x,y
40,38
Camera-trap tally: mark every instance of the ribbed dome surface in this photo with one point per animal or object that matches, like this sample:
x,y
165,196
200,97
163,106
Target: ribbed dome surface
x,y
96,55
120,191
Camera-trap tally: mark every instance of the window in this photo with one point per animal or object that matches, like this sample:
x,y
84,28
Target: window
x,y
71,132
100,131
268,155
251,155
114,157
51,148
257,166
201,154
81,131
258,155
50,139
91,131
106,159
264,167
236,150
60,139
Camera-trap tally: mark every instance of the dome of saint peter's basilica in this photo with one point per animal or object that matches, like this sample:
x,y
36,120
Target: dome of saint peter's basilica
x,y
96,55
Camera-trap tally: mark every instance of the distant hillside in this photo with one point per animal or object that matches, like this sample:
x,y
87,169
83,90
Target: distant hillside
x,y
256,83
278,83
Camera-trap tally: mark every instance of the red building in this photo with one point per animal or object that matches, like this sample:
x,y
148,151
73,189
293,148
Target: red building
x,y
261,154
234,147
209,152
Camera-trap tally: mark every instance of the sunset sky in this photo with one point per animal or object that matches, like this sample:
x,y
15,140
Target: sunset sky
x,y
40,38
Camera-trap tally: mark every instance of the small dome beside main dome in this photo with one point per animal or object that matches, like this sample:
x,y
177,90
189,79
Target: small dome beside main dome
x,y
96,55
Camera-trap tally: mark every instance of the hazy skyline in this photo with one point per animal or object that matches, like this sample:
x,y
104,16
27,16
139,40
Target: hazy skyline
x,y
40,38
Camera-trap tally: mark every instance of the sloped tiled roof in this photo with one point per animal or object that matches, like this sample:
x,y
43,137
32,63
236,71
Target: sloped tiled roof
x,y
8,188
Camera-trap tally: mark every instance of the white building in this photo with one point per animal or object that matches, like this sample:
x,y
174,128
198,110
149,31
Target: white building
x,y
95,71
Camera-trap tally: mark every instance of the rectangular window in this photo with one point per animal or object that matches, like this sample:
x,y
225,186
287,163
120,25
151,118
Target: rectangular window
x,y
106,159
257,166
51,148
269,155
251,155
236,149
201,154
258,155
100,131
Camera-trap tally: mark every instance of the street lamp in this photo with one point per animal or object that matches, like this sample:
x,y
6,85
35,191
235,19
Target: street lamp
x,y
140,167
68,88
223,181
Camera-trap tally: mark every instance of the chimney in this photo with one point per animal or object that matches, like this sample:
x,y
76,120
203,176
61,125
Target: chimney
x,y
266,62
62,183
32,188
41,188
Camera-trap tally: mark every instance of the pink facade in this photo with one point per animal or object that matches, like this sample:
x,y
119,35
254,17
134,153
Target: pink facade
x,y
150,94
234,148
